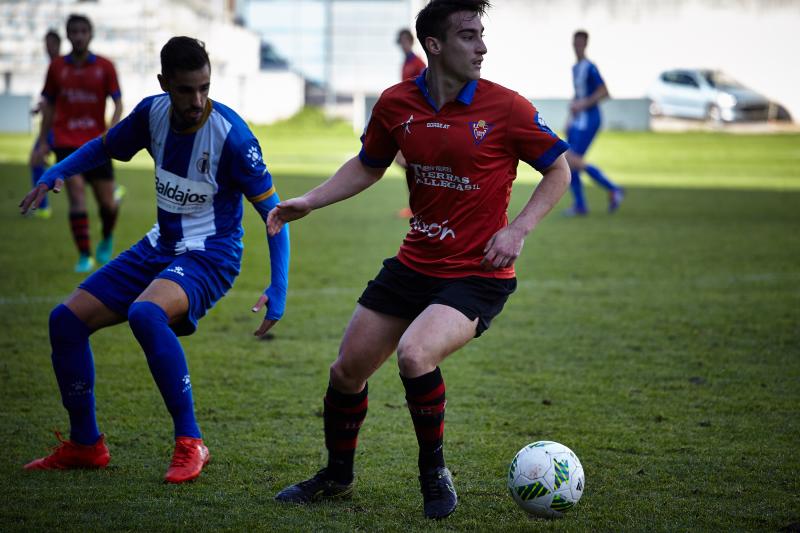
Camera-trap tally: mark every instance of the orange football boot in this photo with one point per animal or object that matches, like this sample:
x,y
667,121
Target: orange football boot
x,y
190,456
69,455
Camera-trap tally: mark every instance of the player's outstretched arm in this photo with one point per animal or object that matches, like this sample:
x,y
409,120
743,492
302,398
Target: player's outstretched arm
x,y
351,178
505,246
88,156
274,297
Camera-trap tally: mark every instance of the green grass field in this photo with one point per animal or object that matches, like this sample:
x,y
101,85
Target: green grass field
x,y
662,344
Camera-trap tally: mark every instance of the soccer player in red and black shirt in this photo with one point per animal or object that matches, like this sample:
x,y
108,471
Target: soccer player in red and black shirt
x,y
463,137
75,93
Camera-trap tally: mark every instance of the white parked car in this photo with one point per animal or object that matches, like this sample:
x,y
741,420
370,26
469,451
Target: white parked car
x,y
707,95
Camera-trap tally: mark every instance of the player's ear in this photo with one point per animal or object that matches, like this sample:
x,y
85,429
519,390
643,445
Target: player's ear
x,y
432,45
162,81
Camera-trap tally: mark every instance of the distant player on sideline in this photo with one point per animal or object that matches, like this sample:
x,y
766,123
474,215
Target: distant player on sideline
x,y
52,46
584,122
205,158
463,137
413,66
75,92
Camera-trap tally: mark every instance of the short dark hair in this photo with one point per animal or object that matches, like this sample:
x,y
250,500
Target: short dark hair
x,y
432,20
581,33
52,34
405,32
78,19
184,54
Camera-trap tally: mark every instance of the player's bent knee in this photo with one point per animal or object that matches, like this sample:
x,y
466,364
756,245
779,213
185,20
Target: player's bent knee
x,y
345,378
412,360
145,315
66,327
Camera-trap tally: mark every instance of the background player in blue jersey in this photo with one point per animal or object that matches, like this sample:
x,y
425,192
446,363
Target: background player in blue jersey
x,y
205,158
584,122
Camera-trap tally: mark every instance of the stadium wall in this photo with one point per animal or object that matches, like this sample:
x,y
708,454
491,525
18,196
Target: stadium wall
x,y
131,34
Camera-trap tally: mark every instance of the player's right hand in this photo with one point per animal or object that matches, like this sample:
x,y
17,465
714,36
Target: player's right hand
x,y
286,211
37,194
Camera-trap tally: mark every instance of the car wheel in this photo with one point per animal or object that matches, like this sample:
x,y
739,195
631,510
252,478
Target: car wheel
x,y
655,109
713,113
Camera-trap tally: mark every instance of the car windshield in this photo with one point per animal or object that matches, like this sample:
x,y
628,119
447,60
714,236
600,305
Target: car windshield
x,y
720,80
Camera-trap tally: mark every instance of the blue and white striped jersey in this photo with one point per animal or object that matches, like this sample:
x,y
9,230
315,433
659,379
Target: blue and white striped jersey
x,y
200,173
586,79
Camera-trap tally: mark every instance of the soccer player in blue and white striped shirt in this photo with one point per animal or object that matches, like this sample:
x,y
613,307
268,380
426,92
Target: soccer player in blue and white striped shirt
x,y
583,124
206,159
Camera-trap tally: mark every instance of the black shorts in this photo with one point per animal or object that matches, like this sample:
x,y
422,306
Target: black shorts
x,y
103,172
402,292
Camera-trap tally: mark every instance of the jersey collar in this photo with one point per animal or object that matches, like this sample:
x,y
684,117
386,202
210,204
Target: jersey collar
x,y
91,58
465,95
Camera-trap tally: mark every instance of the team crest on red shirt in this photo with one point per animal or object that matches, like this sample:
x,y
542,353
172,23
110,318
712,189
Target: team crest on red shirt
x,y
480,130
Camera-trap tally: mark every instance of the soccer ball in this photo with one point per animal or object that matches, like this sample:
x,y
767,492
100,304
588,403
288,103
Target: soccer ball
x,y
546,479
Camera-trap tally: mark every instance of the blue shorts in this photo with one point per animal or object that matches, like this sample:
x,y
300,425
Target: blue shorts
x,y
204,275
580,139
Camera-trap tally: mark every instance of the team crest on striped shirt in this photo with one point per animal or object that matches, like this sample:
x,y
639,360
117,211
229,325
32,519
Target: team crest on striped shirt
x,y
203,165
480,129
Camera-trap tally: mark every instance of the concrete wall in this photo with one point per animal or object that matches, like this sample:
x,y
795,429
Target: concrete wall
x,y
627,114
131,34
15,114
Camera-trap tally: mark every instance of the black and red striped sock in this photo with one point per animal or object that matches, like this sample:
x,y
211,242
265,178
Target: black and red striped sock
x,y
343,415
425,396
79,224
109,220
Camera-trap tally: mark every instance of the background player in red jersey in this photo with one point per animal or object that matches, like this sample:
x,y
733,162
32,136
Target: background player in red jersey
x,y
52,46
75,92
463,138
413,66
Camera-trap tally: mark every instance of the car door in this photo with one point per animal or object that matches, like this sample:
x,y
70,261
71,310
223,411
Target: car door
x,y
683,95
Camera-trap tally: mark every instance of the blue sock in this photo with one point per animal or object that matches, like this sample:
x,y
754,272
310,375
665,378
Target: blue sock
x,y
167,362
36,173
577,191
74,368
597,175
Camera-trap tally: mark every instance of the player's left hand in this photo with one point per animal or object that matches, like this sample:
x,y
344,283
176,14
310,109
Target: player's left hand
x,y
503,248
266,324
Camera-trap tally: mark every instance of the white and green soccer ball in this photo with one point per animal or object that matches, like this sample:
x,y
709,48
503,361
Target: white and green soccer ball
x,y
546,479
